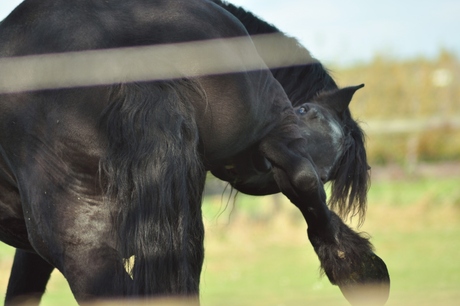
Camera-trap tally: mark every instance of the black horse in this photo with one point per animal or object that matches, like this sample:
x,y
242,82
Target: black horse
x,y
92,176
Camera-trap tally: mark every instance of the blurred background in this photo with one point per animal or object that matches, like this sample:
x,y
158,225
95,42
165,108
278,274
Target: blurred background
x,y
408,55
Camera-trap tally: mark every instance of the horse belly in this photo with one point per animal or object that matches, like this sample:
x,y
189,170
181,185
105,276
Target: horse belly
x,y
13,229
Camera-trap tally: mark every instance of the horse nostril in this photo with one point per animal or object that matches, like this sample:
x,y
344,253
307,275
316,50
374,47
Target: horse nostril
x,y
231,170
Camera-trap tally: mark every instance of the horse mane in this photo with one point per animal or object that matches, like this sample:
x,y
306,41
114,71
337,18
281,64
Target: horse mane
x,y
292,78
303,83
350,176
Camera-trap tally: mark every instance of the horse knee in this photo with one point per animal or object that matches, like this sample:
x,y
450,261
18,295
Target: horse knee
x,y
302,180
305,179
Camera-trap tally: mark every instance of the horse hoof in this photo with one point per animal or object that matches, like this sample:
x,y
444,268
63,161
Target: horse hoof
x,y
370,285
368,294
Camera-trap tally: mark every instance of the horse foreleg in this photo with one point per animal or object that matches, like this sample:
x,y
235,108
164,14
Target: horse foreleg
x,y
346,257
29,275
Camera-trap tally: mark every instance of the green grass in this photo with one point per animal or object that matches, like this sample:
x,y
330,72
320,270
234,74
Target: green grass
x,y
422,191
258,253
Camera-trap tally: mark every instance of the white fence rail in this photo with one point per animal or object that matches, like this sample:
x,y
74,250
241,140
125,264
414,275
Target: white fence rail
x,y
398,126
414,129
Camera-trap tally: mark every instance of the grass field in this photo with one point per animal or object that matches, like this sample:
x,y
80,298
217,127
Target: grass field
x,y
257,253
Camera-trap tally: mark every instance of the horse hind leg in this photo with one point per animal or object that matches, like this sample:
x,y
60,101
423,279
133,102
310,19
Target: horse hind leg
x,y
29,275
73,233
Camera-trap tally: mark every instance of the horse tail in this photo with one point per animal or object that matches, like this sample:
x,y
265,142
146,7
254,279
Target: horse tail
x,y
154,181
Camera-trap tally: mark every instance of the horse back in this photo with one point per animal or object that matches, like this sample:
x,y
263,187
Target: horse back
x,y
51,26
236,104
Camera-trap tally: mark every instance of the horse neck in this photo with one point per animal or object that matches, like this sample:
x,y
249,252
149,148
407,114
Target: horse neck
x,y
301,82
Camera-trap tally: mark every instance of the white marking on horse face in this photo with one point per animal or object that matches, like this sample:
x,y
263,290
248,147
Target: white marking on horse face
x,y
337,133
337,140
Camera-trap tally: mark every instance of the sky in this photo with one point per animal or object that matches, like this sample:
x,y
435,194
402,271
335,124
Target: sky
x,y
349,31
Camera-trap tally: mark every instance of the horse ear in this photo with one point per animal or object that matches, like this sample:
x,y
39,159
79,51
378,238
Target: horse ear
x,y
341,98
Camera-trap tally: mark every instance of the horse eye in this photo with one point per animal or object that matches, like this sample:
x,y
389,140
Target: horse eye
x,y
302,110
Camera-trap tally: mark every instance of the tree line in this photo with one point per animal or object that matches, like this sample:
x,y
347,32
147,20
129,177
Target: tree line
x,y
409,89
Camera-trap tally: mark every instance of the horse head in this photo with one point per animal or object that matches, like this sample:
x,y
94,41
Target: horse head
x,y
336,147
343,160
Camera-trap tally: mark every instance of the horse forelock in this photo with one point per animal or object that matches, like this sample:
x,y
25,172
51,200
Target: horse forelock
x,y
351,178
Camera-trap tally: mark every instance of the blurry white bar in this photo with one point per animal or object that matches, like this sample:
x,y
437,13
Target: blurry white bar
x,y
158,62
405,125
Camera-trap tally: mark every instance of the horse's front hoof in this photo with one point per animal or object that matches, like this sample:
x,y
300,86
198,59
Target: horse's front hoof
x,y
369,284
369,294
